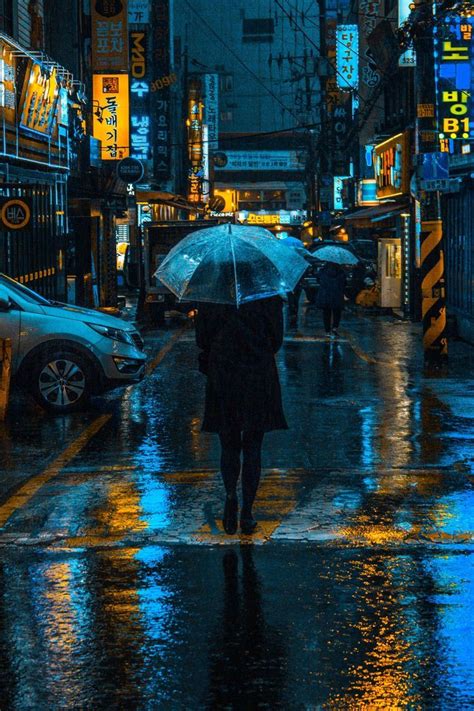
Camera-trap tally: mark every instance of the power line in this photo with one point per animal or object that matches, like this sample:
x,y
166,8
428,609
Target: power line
x,y
234,54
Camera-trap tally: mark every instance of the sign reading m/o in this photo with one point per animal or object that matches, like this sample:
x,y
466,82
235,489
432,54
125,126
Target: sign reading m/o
x,y
15,213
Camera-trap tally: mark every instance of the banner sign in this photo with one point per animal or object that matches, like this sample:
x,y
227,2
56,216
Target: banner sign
x,y
211,109
7,83
161,97
111,115
408,58
195,142
454,62
39,99
263,160
347,57
391,165
140,109
367,192
109,35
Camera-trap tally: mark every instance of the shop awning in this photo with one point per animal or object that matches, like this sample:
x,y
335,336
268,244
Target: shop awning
x,y
377,213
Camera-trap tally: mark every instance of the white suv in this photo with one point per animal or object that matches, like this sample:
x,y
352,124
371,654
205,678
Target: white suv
x,y
64,354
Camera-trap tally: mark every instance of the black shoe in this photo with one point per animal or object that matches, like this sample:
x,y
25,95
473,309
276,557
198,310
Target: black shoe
x,y
230,515
248,525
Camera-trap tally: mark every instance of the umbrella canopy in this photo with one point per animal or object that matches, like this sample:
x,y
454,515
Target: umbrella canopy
x,y
231,264
297,244
335,254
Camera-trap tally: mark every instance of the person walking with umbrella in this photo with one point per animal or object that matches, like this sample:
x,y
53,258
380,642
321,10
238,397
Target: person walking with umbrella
x,y
238,274
332,283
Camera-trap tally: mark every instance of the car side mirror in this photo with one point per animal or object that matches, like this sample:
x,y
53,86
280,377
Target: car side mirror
x,y
5,303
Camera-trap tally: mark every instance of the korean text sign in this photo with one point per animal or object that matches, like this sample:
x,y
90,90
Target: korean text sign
x,y
454,61
140,130
109,35
391,166
111,115
39,100
347,56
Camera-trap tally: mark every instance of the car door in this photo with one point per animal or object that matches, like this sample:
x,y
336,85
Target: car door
x,y
10,322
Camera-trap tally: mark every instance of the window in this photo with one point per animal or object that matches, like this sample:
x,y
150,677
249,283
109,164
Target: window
x,y
6,16
226,116
226,83
259,30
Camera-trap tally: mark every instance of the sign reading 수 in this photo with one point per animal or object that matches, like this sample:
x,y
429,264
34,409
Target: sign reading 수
x,y
111,114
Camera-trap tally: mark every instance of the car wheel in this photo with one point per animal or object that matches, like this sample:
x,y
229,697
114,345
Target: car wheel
x,y
61,381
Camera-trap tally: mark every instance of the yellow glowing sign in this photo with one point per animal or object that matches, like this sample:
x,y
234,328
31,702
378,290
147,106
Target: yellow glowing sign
x,y
39,100
111,115
255,219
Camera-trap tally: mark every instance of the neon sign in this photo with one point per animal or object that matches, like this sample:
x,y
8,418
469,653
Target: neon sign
x,y
347,57
454,59
391,166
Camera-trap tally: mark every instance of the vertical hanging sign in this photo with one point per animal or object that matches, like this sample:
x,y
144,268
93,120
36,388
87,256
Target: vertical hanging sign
x,y
109,35
161,96
140,120
211,109
111,115
347,57
454,76
408,58
195,141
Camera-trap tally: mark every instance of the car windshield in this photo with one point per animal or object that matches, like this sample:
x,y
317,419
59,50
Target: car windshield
x,y
365,249
31,296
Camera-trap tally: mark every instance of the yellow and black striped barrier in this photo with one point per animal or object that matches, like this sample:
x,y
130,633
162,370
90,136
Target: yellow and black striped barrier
x,y
433,291
5,372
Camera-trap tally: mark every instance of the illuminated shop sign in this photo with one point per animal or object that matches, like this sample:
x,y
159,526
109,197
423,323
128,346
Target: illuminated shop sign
x,y
39,100
138,12
262,160
211,109
347,57
408,58
63,107
391,166
454,60
161,97
140,124
195,142
7,83
111,114
109,35
367,192
339,191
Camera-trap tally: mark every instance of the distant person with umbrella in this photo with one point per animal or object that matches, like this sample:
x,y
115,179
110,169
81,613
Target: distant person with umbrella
x,y
237,275
332,283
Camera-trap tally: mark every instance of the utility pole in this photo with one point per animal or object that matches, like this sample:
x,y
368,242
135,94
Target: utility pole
x,y
433,290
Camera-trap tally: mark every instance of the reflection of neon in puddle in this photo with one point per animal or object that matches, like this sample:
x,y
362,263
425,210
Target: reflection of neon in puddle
x,y
367,431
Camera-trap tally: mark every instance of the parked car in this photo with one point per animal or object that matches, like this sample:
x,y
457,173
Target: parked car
x,y
63,354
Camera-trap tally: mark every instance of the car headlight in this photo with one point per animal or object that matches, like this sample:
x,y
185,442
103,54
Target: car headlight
x,y
116,334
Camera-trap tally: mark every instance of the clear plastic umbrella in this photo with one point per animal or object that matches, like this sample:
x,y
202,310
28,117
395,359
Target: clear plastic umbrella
x,y
338,255
231,264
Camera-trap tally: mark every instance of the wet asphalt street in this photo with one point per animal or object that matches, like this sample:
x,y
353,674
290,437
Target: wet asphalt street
x,y
119,590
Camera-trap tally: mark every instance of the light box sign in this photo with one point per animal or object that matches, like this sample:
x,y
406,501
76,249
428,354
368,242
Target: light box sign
x,y
39,100
262,160
391,166
367,192
339,191
7,83
408,58
211,109
140,128
195,142
109,35
138,12
347,57
111,115
454,76
161,100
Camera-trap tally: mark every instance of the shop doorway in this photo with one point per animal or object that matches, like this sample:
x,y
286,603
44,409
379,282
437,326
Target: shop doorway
x,y
390,273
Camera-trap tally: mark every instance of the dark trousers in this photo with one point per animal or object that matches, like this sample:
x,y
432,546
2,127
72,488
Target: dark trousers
x,y
249,444
294,301
331,318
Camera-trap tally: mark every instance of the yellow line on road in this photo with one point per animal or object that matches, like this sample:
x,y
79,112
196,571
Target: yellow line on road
x,y
358,351
29,489
23,495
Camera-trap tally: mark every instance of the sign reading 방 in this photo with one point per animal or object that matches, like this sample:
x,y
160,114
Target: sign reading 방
x,y
454,44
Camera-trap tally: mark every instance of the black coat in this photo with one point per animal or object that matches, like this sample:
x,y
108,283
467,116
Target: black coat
x,y
239,345
332,282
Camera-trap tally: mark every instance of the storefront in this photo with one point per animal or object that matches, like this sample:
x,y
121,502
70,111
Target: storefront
x,y
34,166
